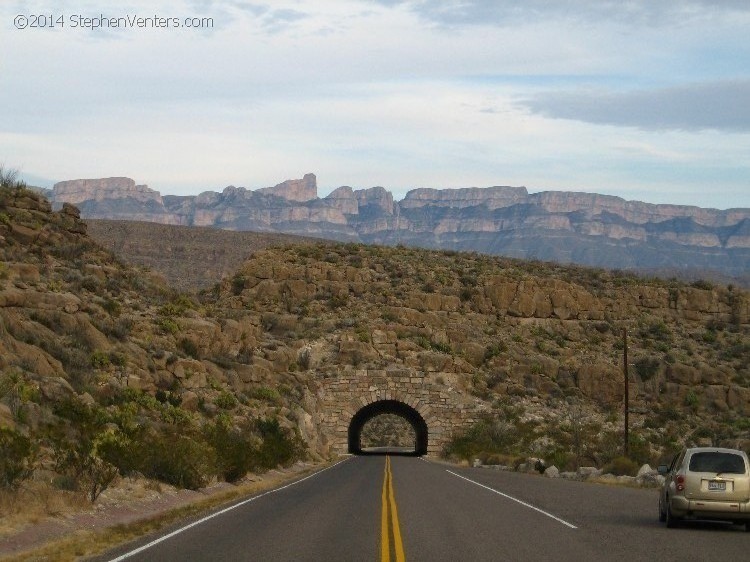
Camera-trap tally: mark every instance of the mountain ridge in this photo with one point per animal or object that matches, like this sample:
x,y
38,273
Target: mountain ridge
x,y
498,220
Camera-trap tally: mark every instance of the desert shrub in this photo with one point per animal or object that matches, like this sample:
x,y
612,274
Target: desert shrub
x,y
9,180
112,306
498,459
118,359
16,391
266,393
657,330
168,325
80,414
236,448
189,347
125,450
702,284
622,466
280,446
494,350
80,462
563,460
16,458
485,436
119,328
176,458
100,360
239,282
226,400
646,367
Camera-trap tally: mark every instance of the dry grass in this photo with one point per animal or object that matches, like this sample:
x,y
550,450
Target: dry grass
x,y
83,543
35,502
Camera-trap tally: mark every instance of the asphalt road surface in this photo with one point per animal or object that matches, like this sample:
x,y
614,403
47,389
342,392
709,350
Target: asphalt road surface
x,y
397,508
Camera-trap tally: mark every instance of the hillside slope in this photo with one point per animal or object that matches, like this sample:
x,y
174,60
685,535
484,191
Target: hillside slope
x,y
190,258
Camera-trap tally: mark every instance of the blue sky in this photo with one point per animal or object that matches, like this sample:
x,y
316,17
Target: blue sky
x,y
647,100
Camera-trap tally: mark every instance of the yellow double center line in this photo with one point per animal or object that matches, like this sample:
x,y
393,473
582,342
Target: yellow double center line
x,y
390,515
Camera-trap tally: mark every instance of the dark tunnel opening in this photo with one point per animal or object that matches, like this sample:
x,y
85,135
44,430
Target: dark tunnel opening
x,y
378,408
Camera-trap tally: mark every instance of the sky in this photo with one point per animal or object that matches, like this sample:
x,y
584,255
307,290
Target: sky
x,y
644,99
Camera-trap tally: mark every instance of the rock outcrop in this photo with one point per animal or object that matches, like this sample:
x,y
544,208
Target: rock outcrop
x,y
567,227
302,190
76,192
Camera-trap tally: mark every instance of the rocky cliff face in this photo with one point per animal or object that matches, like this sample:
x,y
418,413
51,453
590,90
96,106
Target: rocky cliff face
x,y
302,190
491,197
567,227
80,191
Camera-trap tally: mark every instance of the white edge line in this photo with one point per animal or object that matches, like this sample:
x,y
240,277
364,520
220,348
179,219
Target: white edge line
x,y
221,512
523,503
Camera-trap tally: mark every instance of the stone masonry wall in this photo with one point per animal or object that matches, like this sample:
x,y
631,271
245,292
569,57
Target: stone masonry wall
x,y
341,396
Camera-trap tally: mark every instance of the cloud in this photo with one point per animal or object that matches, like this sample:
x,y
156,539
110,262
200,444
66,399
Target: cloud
x,y
499,12
721,106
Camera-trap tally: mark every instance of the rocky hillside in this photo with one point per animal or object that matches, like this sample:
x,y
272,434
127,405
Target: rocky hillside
x,y
190,258
540,345
104,369
566,227
96,352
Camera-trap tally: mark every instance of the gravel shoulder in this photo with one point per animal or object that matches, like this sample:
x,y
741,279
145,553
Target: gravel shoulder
x,y
133,507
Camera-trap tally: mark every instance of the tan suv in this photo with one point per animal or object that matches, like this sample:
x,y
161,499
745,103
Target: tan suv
x,y
706,483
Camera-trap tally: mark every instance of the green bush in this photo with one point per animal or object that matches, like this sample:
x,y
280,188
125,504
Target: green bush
x,y
112,307
692,399
266,394
16,458
236,449
79,461
100,360
279,447
239,283
226,400
646,367
189,347
168,325
622,466
178,459
485,436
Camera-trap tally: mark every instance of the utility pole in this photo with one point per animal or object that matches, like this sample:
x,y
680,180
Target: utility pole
x,y
626,448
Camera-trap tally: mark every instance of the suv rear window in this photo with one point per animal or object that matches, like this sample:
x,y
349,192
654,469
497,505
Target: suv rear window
x,y
727,463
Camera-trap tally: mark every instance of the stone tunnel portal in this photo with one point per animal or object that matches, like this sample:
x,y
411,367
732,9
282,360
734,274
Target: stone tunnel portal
x,y
388,407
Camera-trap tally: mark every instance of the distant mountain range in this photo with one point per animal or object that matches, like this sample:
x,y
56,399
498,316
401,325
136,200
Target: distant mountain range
x,y
567,227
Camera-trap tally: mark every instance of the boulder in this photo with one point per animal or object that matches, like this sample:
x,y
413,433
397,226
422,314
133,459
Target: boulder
x,y
585,472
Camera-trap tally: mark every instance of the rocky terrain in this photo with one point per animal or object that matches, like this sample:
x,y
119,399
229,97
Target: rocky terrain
x,y
190,258
565,227
101,354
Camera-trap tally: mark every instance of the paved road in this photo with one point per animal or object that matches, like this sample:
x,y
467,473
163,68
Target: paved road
x,y
396,508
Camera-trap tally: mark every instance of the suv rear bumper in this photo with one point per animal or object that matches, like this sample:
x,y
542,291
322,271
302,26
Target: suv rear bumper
x,y
706,509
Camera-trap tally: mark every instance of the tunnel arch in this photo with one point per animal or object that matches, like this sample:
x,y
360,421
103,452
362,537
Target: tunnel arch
x,y
380,407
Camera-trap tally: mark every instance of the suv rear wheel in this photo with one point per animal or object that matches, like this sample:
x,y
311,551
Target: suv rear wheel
x,y
671,520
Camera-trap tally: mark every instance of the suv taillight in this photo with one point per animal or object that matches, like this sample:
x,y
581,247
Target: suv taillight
x,y
680,481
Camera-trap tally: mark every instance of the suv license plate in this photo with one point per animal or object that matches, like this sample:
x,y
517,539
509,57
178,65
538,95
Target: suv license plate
x,y
714,486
